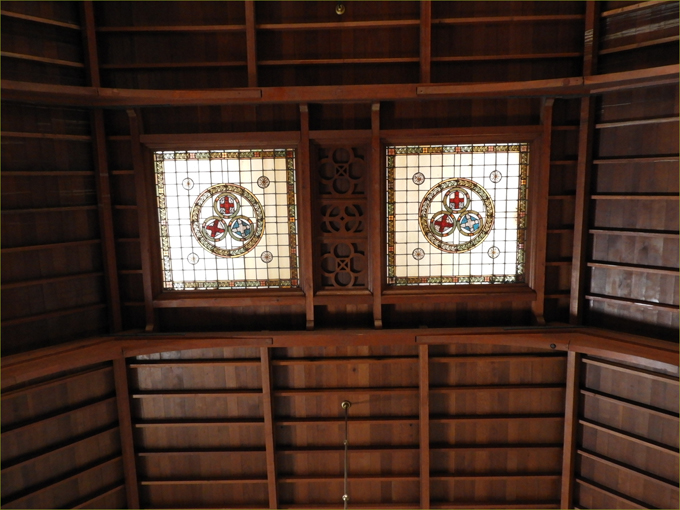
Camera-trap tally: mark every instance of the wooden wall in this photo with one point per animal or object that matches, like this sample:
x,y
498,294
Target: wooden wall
x,y
61,442
627,449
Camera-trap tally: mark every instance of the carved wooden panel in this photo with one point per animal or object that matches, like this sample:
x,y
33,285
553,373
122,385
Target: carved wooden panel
x,y
342,230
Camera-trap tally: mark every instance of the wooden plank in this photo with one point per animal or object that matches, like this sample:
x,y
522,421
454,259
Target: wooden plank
x,y
634,196
223,481
144,230
635,268
248,140
174,28
579,255
198,423
126,435
376,218
631,437
496,388
173,65
509,56
268,411
251,46
339,25
424,424
195,363
397,390
36,19
99,496
571,410
305,220
90,38
641,372
600,83
667,484
196,393
363,360
50,210
638,159
178,300
623,347
425,40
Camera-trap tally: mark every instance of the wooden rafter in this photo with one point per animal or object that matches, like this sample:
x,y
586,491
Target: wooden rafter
x,y
305,209
425,41
376,217
570,427
269,440
251,43
126,436
424,424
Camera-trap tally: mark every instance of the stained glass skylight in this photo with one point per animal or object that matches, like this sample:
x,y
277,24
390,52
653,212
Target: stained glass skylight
x,y
456,214
228,218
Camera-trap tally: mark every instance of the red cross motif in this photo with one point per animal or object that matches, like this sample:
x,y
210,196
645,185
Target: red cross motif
x,y
227,205
215,229
445,221
456,200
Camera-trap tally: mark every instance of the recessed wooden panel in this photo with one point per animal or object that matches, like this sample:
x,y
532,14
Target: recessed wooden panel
x,y
202,465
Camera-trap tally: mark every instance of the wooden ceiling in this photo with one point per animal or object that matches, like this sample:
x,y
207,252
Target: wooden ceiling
x,y
250,416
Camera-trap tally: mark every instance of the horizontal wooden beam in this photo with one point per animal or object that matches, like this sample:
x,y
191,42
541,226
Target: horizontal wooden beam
x,y
633,302
21,392
54,246
635,268
197,393
630,404
631,437
641,372
67,95
195,363
633,7
92,502
36,19
627,501
657,480
199,423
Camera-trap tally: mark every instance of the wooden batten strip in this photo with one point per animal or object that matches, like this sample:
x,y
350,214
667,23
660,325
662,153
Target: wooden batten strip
x,y
50,210
503,476
635,233
633,196
634,268
343,361
47,136
515,504
294,392
425,42
634,302
251,46
508,388
338,421
54,382
48,281
629,502
306,228
571,410
174,28
514,56
355,478
631,437
637,472
339,25
195,363
498,417
100,495
494,447
172,65
620,367
643,44
635,122
36,19
631,404
100,464
223,481
197,393
199,423
224,451
42,60
376,224
634,7
669,158
485,20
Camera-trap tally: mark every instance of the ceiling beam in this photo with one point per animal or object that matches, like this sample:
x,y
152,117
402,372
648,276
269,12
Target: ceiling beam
x,y
66,95
251,43
305,226
376,217
268,411
571,408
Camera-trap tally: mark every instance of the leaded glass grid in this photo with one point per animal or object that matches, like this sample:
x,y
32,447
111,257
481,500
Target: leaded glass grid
x,y
227,218
456,214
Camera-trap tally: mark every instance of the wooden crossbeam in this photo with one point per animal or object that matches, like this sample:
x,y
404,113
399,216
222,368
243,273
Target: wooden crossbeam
x,y
268,410
424,424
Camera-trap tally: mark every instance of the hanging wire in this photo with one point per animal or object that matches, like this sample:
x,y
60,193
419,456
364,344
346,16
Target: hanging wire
x,y
346,404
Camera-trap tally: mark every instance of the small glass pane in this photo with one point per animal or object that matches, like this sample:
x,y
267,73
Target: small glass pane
x,y
228,218
456,214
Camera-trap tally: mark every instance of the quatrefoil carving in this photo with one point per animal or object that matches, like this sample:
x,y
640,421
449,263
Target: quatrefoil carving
x,y
342,173
342,218
344,265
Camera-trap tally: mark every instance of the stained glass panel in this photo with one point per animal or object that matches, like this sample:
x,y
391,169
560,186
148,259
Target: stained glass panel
x,y
456,214
228,219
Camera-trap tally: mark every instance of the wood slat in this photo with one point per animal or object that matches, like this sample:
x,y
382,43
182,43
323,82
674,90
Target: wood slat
x,y
610,493
637,472
571,411
42,60
424,424
633,7
49,281
630,404
20,392
199,423
376,224
52,315
251,43
100,495
269,437
305,217
485,20
46,136
634,268
633,302
630,437
37,19
344,360
195,363
633,196
126,432
635,233
425,41
619,367
636,122
172,28
642,44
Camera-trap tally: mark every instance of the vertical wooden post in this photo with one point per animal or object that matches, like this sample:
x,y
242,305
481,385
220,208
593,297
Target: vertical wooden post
x,y
424,424
425,40
142,211
305,208
125,428
101,175
376,218
270,443
251,46
540,222
583,171
570,422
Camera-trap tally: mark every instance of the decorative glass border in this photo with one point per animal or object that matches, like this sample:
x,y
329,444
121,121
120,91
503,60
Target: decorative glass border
x,y
418,178
286,199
